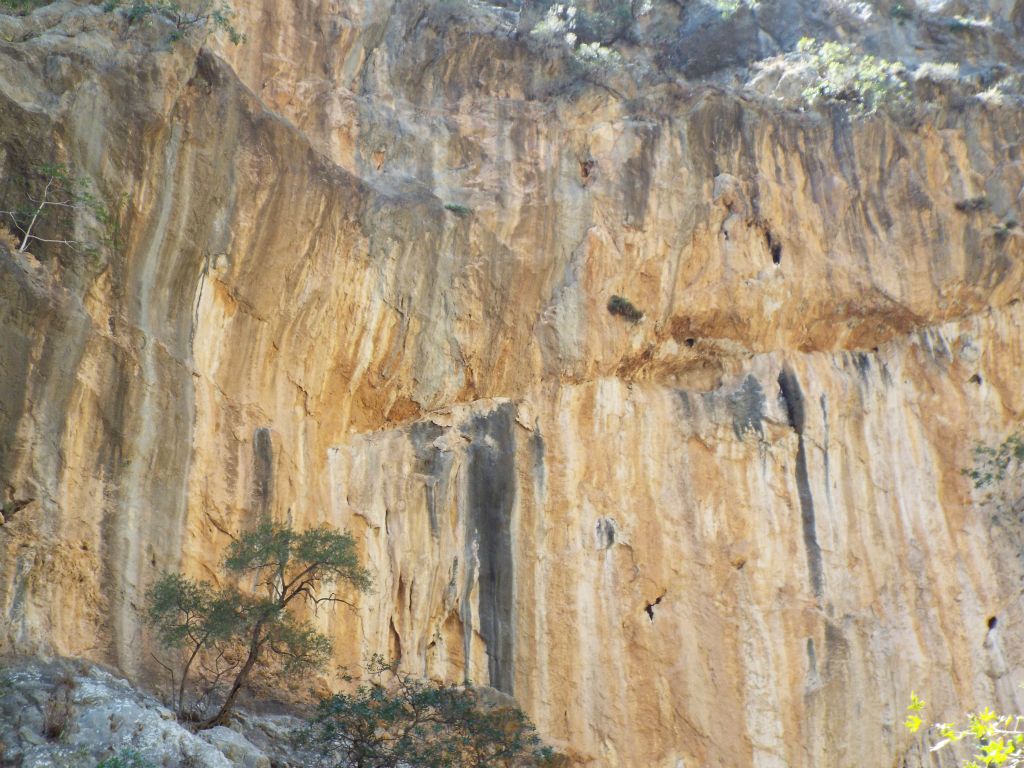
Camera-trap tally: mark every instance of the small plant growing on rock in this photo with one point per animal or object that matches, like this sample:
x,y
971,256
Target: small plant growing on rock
x,y
997,738
623,307
398,719
992,465
230,635
206,15
863,82
458,209
126,758
53,198
22,6
589,34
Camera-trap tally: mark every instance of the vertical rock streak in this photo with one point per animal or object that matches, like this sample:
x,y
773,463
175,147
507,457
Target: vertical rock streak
x,y
793,400
492,490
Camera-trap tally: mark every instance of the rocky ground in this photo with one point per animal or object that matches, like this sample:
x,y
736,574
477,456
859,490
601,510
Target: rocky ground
x,y
66,714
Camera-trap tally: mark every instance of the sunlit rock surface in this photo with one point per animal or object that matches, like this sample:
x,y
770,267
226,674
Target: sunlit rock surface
x,y
363,275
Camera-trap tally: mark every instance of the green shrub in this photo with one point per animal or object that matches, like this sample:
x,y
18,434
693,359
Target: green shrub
x,y
225,635
995,739
863,82
992,465
398,719
588,31
52,198
458,209
203,16
623,307
126,758
22,6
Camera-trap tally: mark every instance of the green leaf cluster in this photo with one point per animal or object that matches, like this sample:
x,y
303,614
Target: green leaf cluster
x,y
862,82
995,738
223,633
588,29
623,307
991,465
206,15
22,6
126,758
51,197
398,720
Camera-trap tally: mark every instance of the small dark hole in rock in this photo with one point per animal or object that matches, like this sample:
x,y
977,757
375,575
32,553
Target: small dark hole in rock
x,y
690,342
774,247
975,379
992,621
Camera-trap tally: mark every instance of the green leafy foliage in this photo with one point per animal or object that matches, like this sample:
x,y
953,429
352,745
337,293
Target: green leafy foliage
x,y
588,30
398,720
458,209
862,82
995,739
228,635
22,6
992,465
203,16
126,758
52,198
623,307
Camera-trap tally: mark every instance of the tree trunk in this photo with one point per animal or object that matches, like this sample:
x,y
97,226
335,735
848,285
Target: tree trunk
x,y
179,710
255,645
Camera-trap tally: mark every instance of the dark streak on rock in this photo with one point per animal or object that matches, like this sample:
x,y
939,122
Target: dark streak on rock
x,y
793,400
262,472
434,464
492,490
747,405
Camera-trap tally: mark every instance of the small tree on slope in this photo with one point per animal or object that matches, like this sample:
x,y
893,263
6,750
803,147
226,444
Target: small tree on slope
x,y
234,634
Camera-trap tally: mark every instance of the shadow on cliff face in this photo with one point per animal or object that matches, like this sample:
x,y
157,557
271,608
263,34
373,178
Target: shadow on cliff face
x,y
492,490
793,400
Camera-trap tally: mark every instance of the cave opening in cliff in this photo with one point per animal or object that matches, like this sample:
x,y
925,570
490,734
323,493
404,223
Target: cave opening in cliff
x,y
992,621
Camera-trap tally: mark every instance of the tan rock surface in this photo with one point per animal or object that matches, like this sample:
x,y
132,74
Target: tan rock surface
x,y
735,533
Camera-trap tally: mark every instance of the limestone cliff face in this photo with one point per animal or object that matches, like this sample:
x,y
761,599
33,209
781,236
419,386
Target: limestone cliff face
x,y
362,277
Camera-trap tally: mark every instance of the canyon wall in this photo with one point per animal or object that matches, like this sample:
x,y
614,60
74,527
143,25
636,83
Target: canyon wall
x,y
362,276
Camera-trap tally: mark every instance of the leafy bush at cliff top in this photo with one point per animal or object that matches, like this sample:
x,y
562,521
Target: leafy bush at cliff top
x,y
863,82
205,15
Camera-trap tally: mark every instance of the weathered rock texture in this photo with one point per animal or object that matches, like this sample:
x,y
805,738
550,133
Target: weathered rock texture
x,y
734,533
64,715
